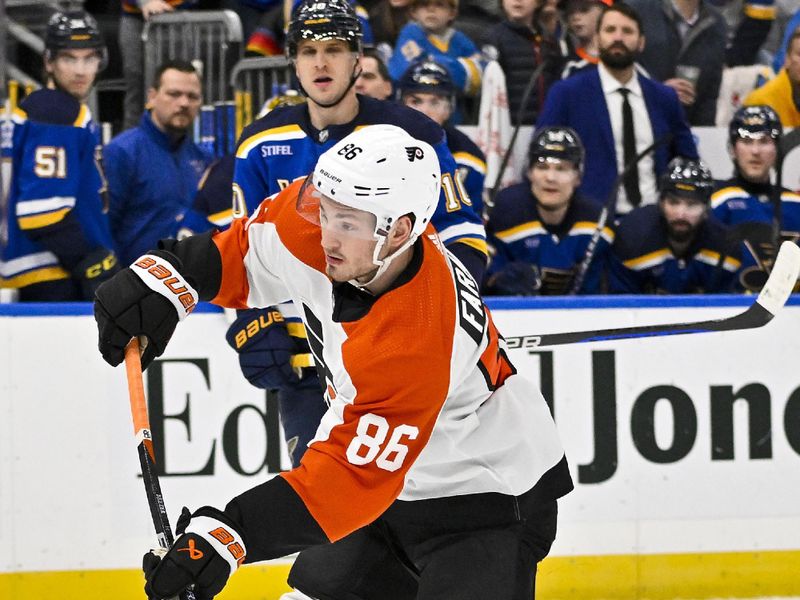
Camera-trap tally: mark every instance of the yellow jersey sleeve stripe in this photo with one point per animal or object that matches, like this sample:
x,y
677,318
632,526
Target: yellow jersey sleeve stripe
x,y
512,233
477,243
223,217
762,13
648,260
286,132
36,276
470,160
43,220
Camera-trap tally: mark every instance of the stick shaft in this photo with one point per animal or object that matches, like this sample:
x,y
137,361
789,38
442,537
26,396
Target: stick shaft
x,y
141,429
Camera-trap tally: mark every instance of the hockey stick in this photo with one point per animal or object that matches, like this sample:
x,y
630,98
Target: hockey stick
x,y
141,428
603,219
773,296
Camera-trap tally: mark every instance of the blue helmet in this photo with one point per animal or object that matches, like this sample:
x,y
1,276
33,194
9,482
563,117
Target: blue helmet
x,y
562,143
427,76
74,29
687,177
750,121
319,20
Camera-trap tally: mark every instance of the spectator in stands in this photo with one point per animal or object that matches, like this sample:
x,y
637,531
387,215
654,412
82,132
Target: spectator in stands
x,y
131,25
431,33
747,201
674,247
685,49
154,168
539,230
373,79
264,24
750,25
582,17
427,87
59,246
520,49
790,25
619,113
387,18
782,92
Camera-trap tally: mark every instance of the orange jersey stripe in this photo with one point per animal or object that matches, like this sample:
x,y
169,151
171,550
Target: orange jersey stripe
x,y
398,357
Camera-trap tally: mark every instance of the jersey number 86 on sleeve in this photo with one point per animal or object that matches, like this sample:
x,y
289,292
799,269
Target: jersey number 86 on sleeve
x,y
371,433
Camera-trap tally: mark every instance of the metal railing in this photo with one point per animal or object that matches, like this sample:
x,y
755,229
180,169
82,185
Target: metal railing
x,y
254,82
212,38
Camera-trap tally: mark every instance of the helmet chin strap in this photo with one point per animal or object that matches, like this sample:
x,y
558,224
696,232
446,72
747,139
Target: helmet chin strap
x,y
382,263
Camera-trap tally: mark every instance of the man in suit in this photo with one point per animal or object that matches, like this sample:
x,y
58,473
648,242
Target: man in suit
x,y
618,113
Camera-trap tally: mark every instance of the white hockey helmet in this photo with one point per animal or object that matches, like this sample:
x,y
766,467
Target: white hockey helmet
x,y
382,170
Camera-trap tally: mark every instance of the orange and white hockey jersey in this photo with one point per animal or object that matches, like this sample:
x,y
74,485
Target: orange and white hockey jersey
x,y
423,401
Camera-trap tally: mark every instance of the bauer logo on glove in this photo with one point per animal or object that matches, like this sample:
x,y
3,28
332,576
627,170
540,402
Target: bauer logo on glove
x,y
162,273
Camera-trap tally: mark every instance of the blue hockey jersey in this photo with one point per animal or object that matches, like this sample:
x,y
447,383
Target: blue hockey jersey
x,y
517,233
284,146
454,51
56,206
471,163
642,261
741,204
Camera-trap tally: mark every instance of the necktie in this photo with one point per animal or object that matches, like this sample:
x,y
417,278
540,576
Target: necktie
x,y
631,180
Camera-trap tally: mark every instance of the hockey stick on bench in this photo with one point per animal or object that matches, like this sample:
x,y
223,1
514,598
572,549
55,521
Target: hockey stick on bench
x,y
773,296
141,428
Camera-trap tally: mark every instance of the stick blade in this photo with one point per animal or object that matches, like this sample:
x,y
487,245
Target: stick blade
x,y
782,279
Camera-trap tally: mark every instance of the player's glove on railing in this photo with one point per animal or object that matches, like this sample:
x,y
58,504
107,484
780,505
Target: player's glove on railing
x,y
265,348
516,279
209,548
94,269
146,299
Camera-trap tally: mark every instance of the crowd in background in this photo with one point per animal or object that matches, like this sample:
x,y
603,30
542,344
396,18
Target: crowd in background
x,y
614,198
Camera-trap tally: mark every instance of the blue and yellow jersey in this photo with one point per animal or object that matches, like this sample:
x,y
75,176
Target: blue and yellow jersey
x,y
454,51
642,261
471,164
284,146
517,233
737,201
748,209
56,211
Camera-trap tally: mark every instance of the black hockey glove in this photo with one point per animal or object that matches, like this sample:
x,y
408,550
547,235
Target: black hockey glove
x,y
516,279
206,553
95,268
265,348
146,299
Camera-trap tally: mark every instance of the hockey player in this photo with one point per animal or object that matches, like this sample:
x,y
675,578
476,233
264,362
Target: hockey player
x,y
427,87
539,229
59,245
420,473
674,247
746,202
324,44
